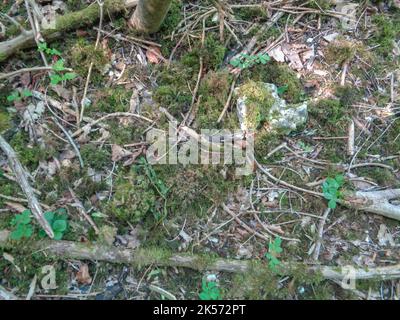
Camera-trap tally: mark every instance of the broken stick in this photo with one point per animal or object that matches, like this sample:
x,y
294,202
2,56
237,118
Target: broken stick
x,y
21,177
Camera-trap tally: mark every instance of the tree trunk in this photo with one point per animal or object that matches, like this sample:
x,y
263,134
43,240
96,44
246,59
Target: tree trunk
x,y
149,15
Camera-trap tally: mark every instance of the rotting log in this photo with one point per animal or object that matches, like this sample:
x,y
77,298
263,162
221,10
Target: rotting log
x,y
72,20
162,258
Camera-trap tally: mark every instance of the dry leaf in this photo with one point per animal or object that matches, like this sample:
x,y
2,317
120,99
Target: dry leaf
x,y
277,54
83,276
119,153
133,157
154,55
293,56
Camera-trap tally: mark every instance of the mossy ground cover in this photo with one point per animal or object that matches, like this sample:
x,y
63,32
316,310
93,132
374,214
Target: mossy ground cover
x,y
158,201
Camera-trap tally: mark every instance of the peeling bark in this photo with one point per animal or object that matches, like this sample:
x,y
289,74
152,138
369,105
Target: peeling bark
x,y
149,15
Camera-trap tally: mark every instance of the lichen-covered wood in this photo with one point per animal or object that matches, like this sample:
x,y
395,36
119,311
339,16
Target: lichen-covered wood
x,y
63,23
163,258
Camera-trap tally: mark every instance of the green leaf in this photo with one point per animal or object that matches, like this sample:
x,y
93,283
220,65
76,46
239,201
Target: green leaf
x,y
14,96
69,76
332,204
55,79
235,62
26,93
17,234
59,225
59,65
49,216
25,217
58,235
42,46
54,52
204,296
42,234
27,231
339,179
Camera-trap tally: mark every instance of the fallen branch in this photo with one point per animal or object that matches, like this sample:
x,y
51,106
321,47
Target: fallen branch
x,y
162,258
21,177
379,202
62,24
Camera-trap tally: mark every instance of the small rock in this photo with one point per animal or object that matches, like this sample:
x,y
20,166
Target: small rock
x,y
259,104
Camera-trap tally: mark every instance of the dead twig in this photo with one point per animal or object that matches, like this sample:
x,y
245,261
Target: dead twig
x,y
22,179
82,211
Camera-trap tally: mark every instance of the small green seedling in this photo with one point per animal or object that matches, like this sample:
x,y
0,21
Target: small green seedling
x,y
245,60
331,191
22,224
58,67
58,77
274,249
42,46
58,222
18,96
210,291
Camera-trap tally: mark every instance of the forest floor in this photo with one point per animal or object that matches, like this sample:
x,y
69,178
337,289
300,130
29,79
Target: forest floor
x,y
92,177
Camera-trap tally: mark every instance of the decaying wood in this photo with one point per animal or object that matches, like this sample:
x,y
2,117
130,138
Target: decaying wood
x,y
62,24
379,202
157,257
22,179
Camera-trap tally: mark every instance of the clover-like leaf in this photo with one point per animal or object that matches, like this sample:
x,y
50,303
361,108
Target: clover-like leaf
x,y
59,225
58,235
17,234
49,216
69,76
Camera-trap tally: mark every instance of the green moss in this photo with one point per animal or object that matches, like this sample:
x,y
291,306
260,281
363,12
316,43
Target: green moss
x,y
5,121
115,99
327,111
95,157
280,75
134,199
174,16
321,4
212,53
253,14
387,31
214,91
193,189
348,95
85,16
265,143
259,101
173,92
31,264
30,155
74,5
82,54
340,51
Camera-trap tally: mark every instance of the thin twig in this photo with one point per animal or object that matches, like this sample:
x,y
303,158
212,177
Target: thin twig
x,y
22,179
